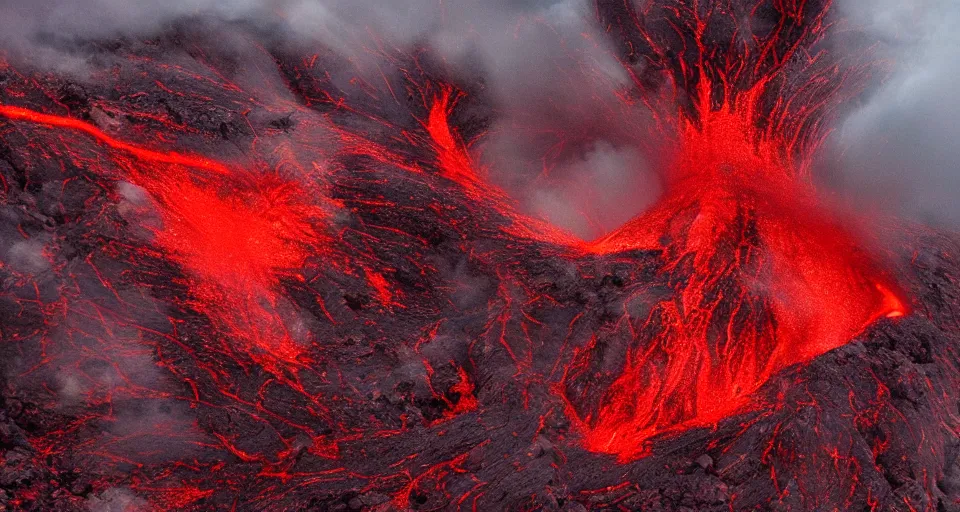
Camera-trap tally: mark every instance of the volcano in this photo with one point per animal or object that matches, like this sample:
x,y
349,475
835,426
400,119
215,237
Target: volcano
x,y
308,291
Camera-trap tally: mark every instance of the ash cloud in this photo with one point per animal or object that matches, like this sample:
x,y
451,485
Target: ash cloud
x,y
898,152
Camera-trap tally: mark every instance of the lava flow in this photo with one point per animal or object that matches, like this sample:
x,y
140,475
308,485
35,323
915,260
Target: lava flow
x,y
766,279
764,276
245,272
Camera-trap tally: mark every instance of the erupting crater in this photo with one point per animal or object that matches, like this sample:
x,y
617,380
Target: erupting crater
x,y
762,277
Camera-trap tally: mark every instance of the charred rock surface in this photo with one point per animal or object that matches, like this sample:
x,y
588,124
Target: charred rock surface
x,y
223,290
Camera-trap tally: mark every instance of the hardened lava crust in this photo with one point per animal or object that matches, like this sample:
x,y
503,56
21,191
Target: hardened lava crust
x,y
272,277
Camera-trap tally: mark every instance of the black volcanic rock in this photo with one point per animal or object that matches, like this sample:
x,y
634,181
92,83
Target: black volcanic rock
x,y
430,337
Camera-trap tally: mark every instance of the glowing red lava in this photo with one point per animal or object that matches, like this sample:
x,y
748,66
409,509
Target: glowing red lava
x,y
353,315
771,280
235,243
454,161
234,232
168,157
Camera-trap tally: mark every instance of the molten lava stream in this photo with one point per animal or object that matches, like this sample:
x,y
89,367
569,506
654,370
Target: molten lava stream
x,y
763,279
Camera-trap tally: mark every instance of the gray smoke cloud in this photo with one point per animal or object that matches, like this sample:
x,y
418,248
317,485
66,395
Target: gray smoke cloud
x,y
544,63
898,152
599,191
544,58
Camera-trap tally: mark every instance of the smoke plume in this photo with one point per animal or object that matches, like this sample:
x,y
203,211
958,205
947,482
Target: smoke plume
x,y
897,152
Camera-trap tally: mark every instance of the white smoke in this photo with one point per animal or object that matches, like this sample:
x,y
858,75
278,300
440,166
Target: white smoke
x,y
899,151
